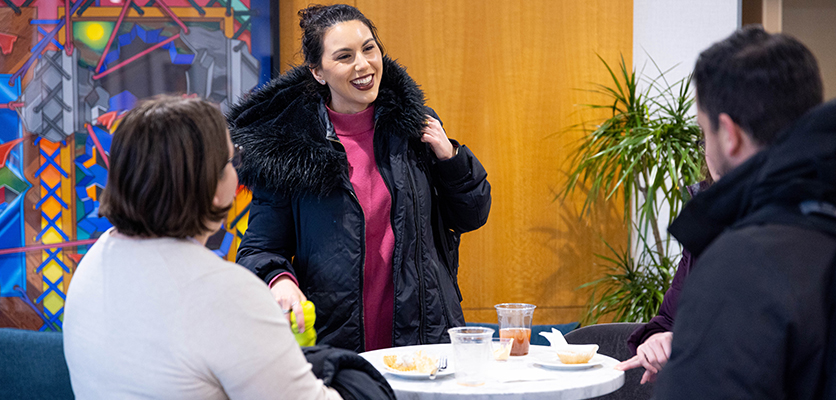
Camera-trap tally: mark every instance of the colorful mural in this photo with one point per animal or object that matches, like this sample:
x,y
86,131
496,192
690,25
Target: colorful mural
x,y
68,71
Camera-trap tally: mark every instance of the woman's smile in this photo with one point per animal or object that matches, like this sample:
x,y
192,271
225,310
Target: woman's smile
x,y
364,83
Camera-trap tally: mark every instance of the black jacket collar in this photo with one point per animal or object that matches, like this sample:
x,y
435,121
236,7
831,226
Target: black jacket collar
x,y
771,186
284,135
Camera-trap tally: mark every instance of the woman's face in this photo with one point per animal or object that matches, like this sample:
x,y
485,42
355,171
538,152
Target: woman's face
x,y
352,66
227,185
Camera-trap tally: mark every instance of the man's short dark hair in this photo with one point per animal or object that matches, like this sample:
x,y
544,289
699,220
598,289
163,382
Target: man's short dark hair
x,y
763,81
166,159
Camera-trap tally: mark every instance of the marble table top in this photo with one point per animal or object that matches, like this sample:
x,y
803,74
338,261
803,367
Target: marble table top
x,y
536,376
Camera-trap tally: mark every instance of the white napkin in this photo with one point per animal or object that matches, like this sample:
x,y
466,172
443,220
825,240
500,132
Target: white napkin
x,y
558,343
555,337
518,374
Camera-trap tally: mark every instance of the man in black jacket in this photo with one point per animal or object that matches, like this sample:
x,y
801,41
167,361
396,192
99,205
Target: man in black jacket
x,y
756,318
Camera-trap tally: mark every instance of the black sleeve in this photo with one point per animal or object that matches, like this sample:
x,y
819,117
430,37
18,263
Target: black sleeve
x,y
463,190
351,375
270,240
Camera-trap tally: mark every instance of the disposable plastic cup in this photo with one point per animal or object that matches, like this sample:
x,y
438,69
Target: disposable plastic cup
x,y
471,353
502,348
515,322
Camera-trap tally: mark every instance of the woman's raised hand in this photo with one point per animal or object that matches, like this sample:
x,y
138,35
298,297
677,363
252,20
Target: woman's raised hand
x,y
290,299
434,135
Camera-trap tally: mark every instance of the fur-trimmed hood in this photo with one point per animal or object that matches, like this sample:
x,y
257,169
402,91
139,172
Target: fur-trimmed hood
x,y
283,131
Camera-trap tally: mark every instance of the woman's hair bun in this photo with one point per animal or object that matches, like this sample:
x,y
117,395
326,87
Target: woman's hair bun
x,y
307,16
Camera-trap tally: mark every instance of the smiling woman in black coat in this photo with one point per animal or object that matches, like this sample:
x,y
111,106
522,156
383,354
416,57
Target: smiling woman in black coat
x,y
359,197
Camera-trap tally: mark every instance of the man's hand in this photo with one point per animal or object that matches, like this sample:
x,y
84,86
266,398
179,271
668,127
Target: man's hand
x,y
290,298
653,354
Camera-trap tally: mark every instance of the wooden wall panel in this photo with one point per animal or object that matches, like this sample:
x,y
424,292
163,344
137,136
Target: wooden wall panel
x,y
290,43
504,77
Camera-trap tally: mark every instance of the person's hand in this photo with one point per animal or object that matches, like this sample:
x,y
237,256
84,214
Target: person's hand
x,y
434,135
653,354
290,298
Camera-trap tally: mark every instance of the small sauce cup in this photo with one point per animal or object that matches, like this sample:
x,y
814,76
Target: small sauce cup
x,y
501,348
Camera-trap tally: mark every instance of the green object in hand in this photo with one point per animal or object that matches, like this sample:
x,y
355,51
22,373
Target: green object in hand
x,y
308,337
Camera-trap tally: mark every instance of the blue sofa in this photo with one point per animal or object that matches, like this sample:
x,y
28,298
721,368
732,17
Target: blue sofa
x,y
32,366
536,338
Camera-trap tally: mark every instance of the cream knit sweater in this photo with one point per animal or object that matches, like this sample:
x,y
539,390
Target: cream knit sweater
x,y
168,319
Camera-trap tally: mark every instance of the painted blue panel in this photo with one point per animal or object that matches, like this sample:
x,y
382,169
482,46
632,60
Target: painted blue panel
x,y
225,245
9,119
12,266
8,124
261,37
7,92
110,58
105,138
177,58
122,101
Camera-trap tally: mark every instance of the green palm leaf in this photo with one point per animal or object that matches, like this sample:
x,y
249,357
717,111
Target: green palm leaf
x,y
644,150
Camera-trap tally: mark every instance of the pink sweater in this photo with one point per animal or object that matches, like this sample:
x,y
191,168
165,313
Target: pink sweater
x,y
356,133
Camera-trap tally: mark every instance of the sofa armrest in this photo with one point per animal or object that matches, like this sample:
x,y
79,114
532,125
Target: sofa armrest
x,y
33,365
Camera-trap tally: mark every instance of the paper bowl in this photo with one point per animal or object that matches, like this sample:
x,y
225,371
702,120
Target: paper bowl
x,y
576,353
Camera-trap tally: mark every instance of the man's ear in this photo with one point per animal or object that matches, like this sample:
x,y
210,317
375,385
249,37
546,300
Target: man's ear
x,y
729,140
731,136
736,143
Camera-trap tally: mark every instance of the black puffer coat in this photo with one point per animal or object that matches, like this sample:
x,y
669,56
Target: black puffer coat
x,y
305,218
757,316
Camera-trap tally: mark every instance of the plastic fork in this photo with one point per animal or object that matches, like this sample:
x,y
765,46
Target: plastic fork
x,y
442,365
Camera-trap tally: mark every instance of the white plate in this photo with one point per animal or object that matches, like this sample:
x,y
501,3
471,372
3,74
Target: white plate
x,y
550,361
418,375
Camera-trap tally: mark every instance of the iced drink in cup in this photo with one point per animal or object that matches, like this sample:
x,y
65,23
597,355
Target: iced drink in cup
x,y
471,353
515,322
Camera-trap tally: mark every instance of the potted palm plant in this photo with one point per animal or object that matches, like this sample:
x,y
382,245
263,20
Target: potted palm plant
x,y
644,151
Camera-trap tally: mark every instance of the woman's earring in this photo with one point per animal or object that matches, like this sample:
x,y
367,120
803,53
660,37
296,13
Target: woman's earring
x,y
321,81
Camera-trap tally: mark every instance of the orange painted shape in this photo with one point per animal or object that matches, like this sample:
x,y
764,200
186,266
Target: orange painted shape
x,y
91,192
7,42
49,147
75,257
51,208
50,175
240,189
92,161
6,148
107,119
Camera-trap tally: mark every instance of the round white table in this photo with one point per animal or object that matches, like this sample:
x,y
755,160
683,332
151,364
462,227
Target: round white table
x,y
518,378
